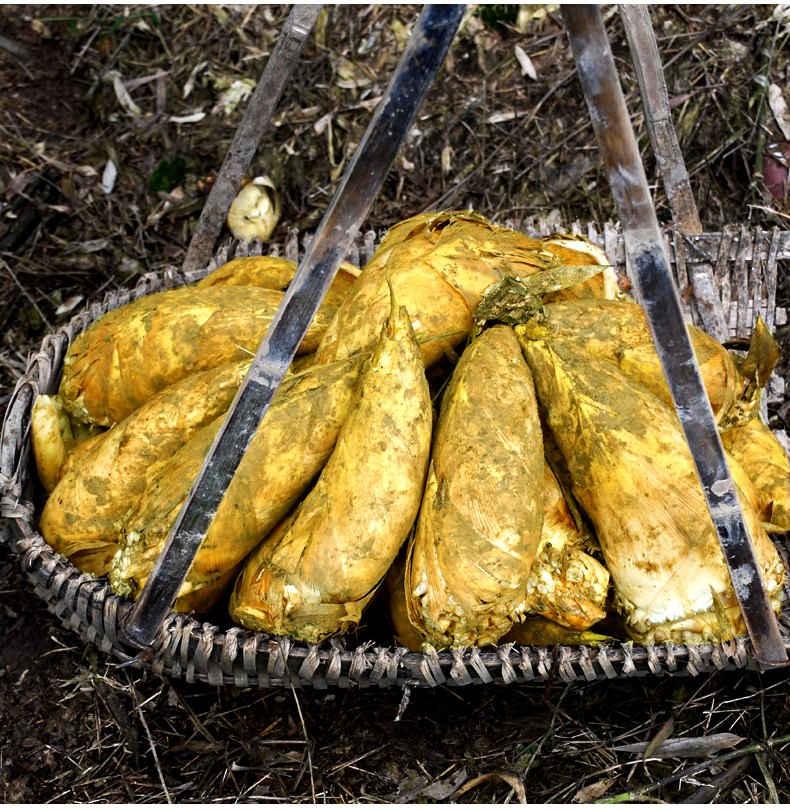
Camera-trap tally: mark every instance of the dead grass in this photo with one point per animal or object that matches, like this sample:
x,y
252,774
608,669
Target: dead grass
x,y
75,727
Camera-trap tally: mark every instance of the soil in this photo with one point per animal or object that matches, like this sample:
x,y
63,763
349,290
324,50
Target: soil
x,y
75,727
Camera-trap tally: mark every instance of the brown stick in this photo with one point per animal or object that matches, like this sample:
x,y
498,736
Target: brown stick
x,y
658,117
249,134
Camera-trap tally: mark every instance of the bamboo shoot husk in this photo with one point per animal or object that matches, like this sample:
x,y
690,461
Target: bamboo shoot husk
x,y
317,579
566,584
51,429
574,249
132,352
275,273
439,314
400,232
482,513
765,461
287,452
271,272
470,254
78,448
539,631
439,266
419,236
633,475
82,517
393,597
617,331
57,443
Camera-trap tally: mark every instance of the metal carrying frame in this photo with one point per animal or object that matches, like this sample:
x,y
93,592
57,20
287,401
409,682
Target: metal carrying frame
x,y
733,276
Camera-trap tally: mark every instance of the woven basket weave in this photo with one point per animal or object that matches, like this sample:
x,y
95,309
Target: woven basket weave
x,y
745,265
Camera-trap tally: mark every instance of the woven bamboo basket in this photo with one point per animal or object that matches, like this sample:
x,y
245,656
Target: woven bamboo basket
x,y
745,263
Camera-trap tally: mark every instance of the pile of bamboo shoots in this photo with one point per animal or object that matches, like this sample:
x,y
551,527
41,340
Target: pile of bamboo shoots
x,y
477,438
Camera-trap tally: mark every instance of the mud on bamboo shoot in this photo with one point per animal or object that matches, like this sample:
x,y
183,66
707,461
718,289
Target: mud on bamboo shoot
x,y
318,578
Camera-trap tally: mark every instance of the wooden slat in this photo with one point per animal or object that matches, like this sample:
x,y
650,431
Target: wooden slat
x,y
369,245
292,246
681,273
593,235
658,116
721,271
740,278
755,280
707,244
770,279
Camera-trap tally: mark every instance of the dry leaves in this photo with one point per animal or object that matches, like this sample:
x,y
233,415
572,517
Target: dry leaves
x,y
122,94
514,781
592,792
526,63
417,786
664,733
685,746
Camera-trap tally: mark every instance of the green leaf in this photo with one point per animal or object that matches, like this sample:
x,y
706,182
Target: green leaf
x,y
498,15
664,733
168,175
115,26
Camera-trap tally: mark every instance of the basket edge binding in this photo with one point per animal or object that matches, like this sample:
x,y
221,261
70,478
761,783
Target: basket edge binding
x,y
199,651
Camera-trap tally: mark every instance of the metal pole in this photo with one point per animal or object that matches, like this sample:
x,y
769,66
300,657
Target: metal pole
x,y
644,246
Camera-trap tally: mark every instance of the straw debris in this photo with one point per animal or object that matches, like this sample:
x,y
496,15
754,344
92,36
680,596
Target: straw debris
x,y
490,138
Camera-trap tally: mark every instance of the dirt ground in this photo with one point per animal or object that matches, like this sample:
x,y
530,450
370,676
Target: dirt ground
x,y
126,85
